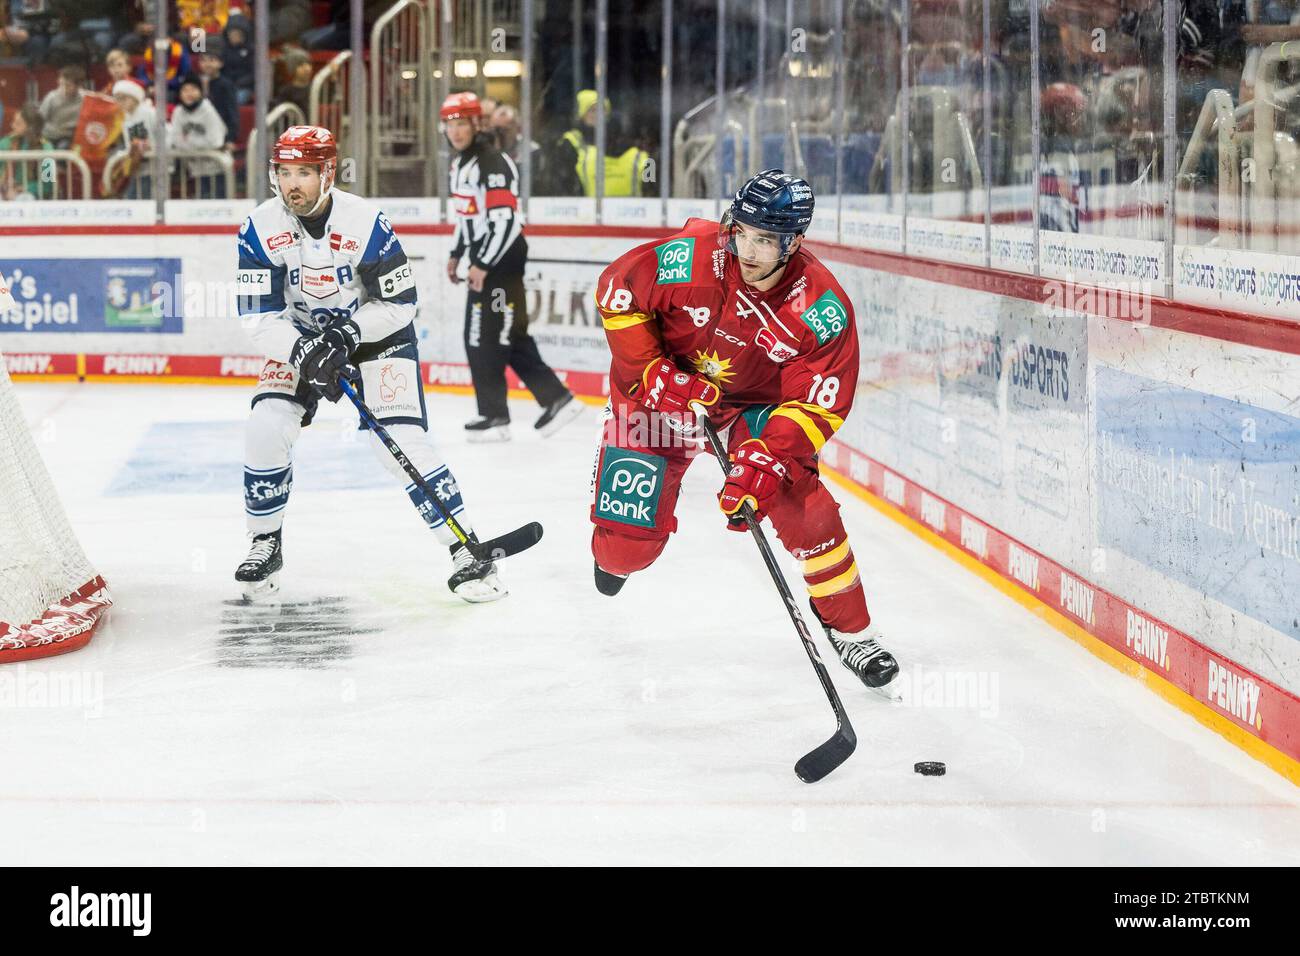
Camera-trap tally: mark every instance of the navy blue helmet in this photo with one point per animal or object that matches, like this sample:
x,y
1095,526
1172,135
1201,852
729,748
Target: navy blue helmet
x,y
774,201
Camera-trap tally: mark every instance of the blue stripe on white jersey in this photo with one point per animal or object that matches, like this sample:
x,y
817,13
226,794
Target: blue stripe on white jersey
x,y
384,268
263,281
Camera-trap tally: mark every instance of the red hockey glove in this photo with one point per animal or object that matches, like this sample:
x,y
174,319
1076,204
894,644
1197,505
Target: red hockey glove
x,y
755,476
666,388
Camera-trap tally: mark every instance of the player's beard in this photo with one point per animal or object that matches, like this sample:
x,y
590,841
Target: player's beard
x,y
299,203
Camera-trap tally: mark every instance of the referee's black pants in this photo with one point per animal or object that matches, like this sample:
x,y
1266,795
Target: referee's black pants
x,y
496,335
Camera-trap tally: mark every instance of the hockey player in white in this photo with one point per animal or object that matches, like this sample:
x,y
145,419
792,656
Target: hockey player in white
x,y
326,291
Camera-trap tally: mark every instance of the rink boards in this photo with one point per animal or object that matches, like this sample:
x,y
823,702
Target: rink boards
x,y
1134,482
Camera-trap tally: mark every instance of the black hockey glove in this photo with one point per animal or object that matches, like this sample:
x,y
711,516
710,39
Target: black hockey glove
x,y
345,334
320,360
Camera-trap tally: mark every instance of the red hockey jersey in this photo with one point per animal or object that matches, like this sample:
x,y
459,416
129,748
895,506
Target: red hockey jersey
x,y
793,348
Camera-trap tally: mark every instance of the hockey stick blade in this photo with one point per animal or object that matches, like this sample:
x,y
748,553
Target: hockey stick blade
x,y
521,539
503,546
816,764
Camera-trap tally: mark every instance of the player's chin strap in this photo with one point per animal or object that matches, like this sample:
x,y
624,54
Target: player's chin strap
x,y
320,201
325,189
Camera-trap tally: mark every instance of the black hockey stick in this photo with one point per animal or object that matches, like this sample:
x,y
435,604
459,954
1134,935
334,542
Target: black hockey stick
x,y
818,763
512,542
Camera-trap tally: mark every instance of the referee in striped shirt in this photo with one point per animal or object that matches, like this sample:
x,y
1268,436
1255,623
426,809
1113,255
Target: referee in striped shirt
x,y
489,229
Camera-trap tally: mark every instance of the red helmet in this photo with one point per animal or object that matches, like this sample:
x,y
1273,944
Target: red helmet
x,y
461,106
309,145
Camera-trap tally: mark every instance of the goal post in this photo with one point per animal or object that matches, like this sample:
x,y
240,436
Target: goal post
x,y
51,599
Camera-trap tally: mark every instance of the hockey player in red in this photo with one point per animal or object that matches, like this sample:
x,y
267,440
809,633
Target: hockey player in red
x,y
738,317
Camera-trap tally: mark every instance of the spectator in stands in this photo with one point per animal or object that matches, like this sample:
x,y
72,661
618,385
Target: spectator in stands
x,y
1210,48
1061,193
178,66
195,125
138,114
337,34
206,15
297,90
238,60
562,160
16,41
219,90
484,122
26,180
62,106
137,38
505,125
118,62
97,23
74,27
137,133
289,20
572,163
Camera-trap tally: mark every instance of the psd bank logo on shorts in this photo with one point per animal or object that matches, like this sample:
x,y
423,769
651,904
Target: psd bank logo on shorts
x,y
630,483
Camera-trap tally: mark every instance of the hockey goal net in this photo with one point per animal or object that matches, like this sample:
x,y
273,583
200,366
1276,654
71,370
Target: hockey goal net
x,y
50,597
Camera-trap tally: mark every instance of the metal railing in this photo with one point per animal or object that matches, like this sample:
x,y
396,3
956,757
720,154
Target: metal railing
x,y
1218,119
329,105
399,114
193,174
277,121
43,174
1251,159
950,137
695,167
1273,151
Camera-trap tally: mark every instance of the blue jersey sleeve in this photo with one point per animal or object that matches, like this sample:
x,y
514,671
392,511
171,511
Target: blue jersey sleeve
x,y
261,297
384,268
260,283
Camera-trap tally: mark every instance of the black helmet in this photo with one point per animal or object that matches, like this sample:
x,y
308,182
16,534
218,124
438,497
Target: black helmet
x,y
773,201
776,201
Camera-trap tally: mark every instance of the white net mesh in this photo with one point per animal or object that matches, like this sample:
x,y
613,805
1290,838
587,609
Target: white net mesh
x,y
49,593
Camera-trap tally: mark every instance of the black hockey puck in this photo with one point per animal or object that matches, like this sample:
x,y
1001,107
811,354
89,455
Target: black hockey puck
x,y
931,768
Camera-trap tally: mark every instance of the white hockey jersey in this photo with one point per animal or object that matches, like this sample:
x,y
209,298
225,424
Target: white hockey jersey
x,y
291,284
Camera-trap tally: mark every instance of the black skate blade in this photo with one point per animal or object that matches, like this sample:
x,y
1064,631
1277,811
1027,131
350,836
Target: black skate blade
x,y
512,542
818,763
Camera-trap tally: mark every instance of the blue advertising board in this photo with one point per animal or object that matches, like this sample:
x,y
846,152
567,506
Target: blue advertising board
x,y
1203,489
93,295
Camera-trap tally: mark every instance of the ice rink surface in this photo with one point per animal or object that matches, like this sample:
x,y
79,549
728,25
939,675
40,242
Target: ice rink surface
x,y
371,717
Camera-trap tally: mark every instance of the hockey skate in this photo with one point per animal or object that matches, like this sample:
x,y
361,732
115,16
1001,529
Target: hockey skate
x,y
488,429
607,583
259,573
558,414
473,580
863,655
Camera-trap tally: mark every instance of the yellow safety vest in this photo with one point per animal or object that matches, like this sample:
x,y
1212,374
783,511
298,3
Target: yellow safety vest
x,y
623,173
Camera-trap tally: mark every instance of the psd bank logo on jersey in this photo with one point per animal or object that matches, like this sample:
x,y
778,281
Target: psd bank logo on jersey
x,y
827,317
629,487
675,260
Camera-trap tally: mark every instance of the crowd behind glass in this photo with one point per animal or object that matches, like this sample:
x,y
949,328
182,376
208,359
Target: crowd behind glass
x,y
926,107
